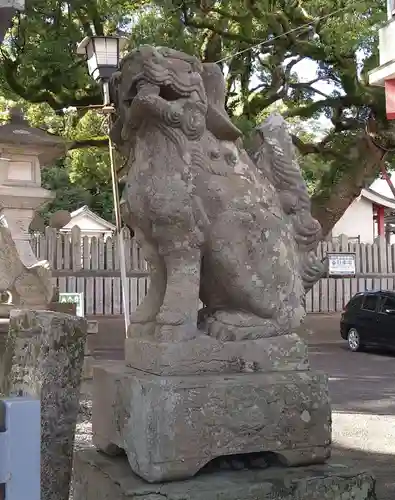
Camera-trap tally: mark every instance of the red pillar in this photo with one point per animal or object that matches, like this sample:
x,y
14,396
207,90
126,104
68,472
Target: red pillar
x,y
390,99
380,220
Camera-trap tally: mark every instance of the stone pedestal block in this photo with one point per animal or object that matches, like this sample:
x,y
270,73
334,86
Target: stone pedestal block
x,y
205,354
171,426
43,359
98,477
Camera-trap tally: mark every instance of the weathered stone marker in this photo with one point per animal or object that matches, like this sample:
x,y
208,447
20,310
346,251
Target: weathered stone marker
x,y
236,232
43,359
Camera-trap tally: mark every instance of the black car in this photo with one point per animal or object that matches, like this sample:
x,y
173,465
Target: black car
x,y
369,320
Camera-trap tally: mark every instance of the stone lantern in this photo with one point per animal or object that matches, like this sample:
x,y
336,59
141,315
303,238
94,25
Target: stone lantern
x,y
23,151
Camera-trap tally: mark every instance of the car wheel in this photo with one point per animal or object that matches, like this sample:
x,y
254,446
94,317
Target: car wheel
x,y
354,342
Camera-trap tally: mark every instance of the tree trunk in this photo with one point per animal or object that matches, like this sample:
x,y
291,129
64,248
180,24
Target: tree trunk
x,y
360,165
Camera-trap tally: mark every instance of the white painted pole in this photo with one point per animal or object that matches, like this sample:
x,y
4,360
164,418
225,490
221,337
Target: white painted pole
x,y
121,241
118,219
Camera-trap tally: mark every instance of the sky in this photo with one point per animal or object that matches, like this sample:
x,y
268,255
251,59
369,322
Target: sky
x,y
381,186
307,71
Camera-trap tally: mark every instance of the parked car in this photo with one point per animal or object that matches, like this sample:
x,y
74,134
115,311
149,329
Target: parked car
x,y
369,320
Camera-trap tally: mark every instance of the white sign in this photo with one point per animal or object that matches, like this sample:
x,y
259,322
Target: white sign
x,y
73,298
341,264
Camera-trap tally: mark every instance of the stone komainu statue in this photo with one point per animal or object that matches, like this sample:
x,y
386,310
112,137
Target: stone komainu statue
x,y
215,223
24,286
234,230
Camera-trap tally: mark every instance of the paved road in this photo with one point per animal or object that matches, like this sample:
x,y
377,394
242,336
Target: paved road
x,y
362,387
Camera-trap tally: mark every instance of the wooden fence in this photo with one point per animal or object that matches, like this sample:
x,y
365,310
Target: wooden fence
x,y
91,266
375,269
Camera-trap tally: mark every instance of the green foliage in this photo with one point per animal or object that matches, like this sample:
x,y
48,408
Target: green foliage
x,y
69,196
259,43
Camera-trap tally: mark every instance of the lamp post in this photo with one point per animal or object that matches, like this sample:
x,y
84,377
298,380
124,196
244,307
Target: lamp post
x,y
102,55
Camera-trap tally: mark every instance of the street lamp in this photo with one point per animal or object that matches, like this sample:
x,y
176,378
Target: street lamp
x,y
102,55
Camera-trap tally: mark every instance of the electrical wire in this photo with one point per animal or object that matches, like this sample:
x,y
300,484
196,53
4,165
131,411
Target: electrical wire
x,y
293,30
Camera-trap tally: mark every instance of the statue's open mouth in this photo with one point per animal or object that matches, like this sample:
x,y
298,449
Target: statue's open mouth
x,y
169,91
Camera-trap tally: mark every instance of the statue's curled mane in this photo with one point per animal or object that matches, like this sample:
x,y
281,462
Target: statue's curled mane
x,y
275,157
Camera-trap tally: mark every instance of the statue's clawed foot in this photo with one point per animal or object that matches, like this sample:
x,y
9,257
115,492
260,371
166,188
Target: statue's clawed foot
x,y
174,326
227,325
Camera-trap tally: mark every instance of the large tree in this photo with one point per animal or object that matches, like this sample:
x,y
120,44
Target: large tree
x,y
259,43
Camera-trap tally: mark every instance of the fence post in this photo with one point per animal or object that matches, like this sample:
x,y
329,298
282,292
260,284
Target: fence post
x,y
20,429
76,255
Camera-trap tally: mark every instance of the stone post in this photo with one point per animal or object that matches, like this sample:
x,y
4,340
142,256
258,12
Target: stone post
x,y
43,358
87,372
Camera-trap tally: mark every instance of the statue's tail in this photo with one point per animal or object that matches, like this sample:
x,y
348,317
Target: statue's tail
x,y
274,156
312,269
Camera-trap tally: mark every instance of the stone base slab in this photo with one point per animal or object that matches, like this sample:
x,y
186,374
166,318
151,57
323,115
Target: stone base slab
x,y
208,355
98,477
171,427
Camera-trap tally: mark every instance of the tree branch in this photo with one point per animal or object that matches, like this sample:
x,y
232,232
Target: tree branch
x,y
204,25
10,71
305,148
321,148
309,110
98,142
228,15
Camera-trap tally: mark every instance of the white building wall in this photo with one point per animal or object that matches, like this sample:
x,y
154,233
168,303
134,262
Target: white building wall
x,y
85,223
357,220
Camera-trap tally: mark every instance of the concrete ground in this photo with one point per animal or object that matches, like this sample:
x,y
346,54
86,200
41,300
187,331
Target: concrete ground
x,y
362,388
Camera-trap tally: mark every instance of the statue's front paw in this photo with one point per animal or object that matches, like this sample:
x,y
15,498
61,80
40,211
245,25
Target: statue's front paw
x,y
173,326
142,317
176,333
169,317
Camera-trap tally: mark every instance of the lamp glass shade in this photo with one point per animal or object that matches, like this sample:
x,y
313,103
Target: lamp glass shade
x,y
91,58
107,52
102,53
